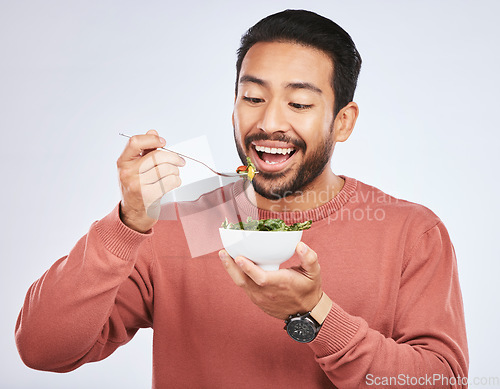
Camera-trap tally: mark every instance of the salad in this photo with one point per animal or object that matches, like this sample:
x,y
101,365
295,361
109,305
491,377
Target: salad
x,y
266,225
248,170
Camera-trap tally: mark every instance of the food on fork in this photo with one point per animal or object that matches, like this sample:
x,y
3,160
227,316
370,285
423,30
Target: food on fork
x,y
248,170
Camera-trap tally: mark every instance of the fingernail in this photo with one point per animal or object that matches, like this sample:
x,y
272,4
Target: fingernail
x,y
302,248
163,141
239,262
222,255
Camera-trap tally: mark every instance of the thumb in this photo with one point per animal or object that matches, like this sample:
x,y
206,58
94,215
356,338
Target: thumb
x,y
308,258
150,132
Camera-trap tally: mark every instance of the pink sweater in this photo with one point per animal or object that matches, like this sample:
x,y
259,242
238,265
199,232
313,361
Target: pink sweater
x,y
388,265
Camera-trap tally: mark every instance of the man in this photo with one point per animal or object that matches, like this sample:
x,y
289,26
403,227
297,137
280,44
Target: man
x,y
371,298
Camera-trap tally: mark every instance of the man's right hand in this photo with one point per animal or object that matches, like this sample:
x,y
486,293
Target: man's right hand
x,y
146,174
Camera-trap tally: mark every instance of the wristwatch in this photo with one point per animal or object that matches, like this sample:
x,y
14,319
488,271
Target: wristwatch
x,y
304,328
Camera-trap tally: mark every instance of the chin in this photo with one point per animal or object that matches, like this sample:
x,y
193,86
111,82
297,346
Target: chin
x,y
274,188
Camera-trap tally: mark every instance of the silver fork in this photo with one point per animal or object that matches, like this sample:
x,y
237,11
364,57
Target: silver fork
x,y
204,164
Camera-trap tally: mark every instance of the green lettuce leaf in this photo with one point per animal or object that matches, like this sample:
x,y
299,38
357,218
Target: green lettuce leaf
x,y
266,225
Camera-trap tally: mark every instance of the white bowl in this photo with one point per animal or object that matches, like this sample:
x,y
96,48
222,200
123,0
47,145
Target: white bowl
x,y
268,249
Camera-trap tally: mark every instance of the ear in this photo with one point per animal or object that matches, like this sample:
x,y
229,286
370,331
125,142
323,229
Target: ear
x,y
345,121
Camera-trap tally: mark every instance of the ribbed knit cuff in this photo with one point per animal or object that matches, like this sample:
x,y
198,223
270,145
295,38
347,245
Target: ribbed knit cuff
x,y
338,329
119,239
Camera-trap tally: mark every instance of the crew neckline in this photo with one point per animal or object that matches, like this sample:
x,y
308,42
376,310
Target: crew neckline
x,y
314,214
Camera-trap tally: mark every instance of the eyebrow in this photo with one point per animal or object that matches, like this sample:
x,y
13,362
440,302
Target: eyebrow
x,y
248,78
304,85
292,85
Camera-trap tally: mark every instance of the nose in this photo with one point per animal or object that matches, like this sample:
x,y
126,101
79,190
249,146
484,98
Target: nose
x,y
273,118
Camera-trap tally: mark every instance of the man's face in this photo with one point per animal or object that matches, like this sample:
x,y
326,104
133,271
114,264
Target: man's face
x,y
283,116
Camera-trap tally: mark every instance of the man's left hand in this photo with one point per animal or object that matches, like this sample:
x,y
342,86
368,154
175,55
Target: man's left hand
x,y
283,292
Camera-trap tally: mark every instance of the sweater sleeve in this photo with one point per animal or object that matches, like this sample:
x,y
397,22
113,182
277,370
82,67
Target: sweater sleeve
x,y
89,302
428,347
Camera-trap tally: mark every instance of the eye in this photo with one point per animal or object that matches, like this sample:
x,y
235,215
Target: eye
x,y
300,106
253,100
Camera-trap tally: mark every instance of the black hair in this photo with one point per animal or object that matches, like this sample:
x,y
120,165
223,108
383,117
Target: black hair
x,y
310,29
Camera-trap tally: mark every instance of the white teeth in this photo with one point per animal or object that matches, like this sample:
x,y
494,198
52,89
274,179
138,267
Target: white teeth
x,y
271,163
274,150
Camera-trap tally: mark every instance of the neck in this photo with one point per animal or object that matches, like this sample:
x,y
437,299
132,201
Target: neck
x,y
324,188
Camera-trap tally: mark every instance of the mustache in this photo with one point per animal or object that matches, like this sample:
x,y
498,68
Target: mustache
x,y
277,136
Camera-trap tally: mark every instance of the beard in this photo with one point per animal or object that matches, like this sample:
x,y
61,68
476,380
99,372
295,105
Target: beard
x,y
278,185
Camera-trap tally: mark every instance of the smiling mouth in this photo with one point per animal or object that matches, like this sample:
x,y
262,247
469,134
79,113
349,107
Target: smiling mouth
x,y
272,159
274,155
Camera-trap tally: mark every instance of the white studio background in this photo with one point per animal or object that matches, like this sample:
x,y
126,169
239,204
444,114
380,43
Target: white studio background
x,y
75,73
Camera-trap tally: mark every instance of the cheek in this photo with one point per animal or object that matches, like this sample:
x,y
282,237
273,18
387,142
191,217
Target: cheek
x,y
326,123
238,125
245,118
313,129
309,128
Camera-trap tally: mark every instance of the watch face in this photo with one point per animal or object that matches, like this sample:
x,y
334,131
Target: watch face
x,y
301,330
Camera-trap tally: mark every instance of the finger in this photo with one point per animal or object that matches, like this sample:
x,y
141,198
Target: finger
x,y
235,272
159,157
137,144
154,192
158,172
254,272
308,258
